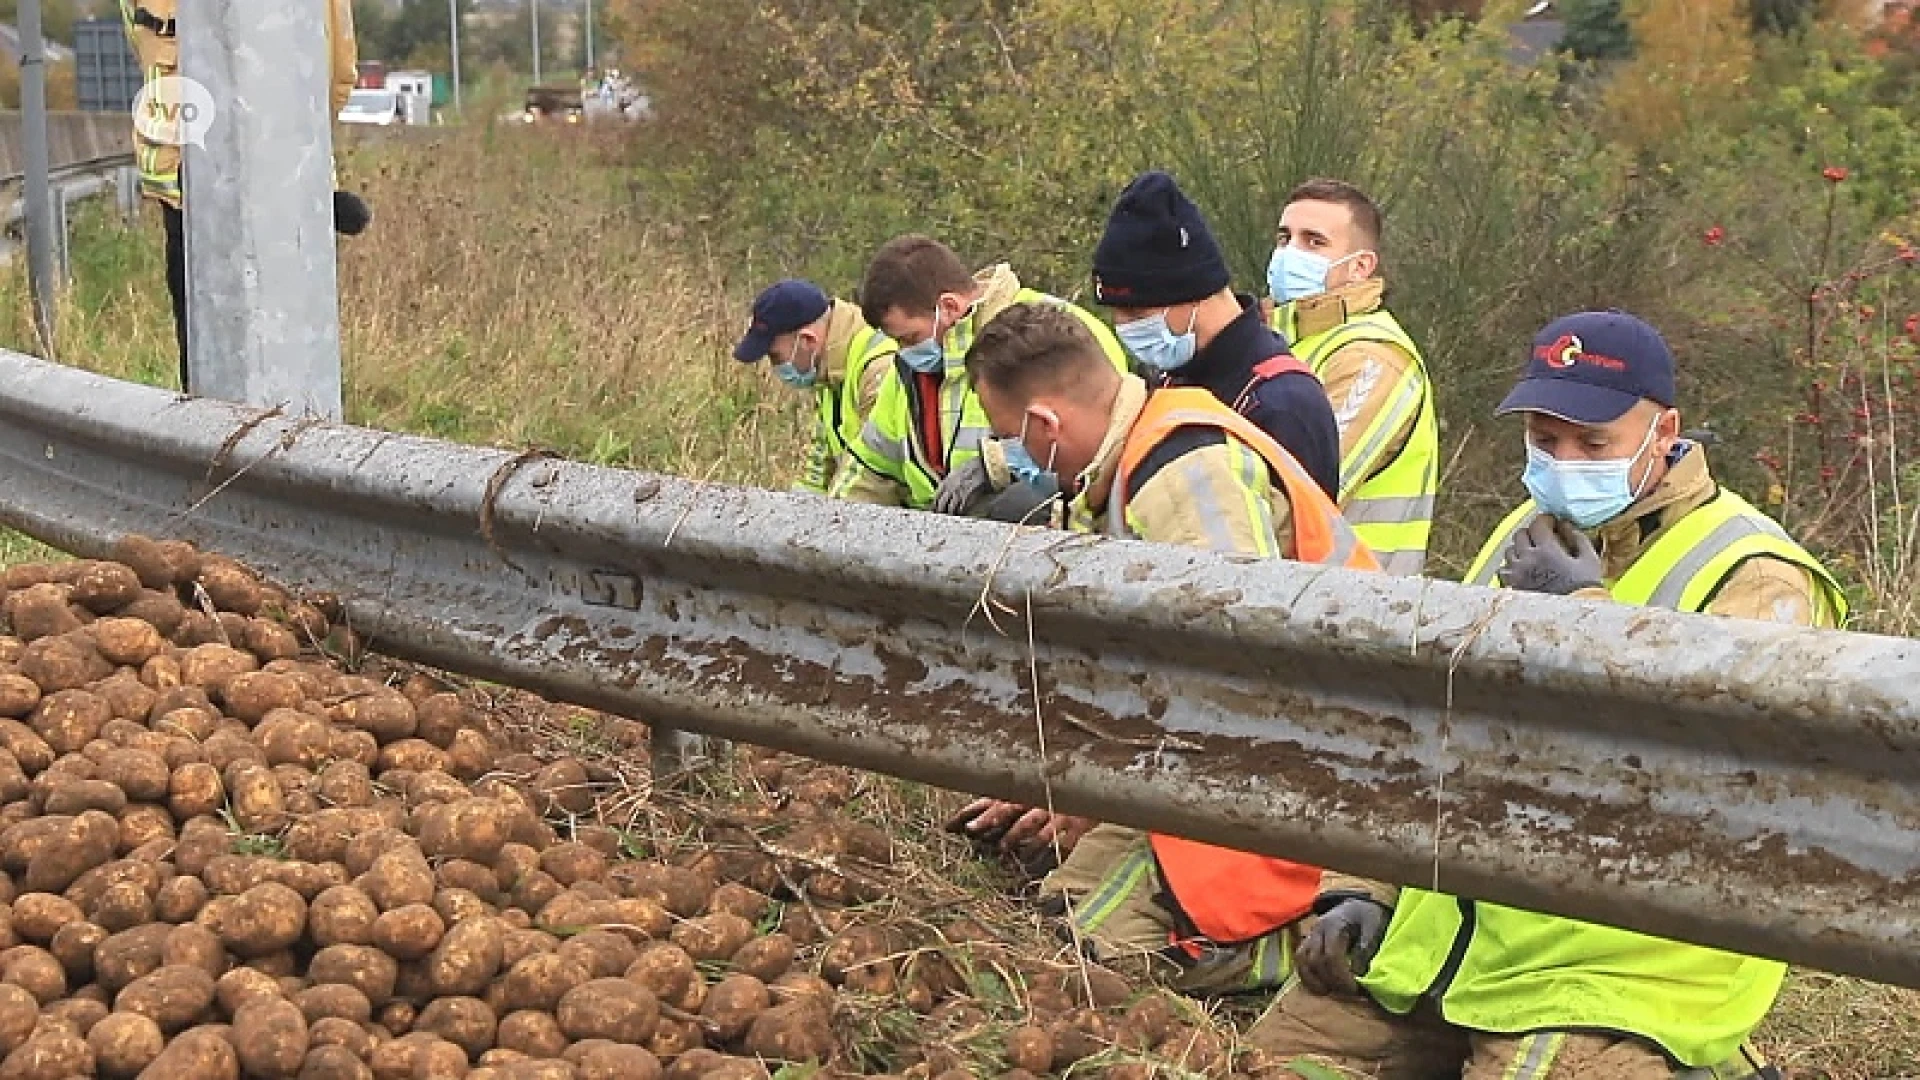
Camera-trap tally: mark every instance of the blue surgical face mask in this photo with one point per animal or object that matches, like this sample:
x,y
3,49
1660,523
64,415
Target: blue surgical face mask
x,y
1296,273
794,377
930,356
1020,464
1587,493
1153,342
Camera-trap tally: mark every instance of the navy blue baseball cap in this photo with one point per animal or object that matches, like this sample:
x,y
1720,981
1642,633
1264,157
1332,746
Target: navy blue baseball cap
x,y
781,308
1591,367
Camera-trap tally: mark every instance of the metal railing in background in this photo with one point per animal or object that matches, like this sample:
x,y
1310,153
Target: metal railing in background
x,y
1738,784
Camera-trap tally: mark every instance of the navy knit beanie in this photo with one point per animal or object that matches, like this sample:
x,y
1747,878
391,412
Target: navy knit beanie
x,y
1157,250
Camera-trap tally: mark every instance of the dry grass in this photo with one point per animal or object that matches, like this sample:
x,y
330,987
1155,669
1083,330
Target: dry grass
x,y
514,291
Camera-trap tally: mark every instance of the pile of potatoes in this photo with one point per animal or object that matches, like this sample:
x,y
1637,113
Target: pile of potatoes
x,y
224,856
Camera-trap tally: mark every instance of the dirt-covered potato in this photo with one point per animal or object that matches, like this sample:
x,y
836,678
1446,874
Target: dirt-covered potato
x,y
180,899
333,1063
257,802
270,1037
616,1062
345,784
88,841
19,1012
563,788
333,1031
244,984
34,970
796,1031
37,917
467,958
126,956
66,662
408,933
128,642
18,695
54,1052
385,714
538,982
212,667
765,958
172,997
160,610
713,937
343,915
231,587
102,587
609,1009
39,611
72,797
605,955
459,905
665,969
680,891
269,640
733,1003
202,1052
535,1034
470,756
399,878
262,920
466,1022
194,946
73,946
70,719
124,1043
737,899
333,1000
474,829
572,863
362,967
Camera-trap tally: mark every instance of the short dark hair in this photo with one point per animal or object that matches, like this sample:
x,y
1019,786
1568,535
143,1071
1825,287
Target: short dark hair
x,y
1029,348
1366,215
910,272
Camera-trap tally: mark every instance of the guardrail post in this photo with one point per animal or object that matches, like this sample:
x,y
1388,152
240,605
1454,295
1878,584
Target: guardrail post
x,y
263,316
33,138
62,238
126,191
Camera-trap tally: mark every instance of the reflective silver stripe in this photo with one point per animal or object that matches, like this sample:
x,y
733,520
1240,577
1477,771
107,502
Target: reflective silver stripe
x,y
1491,571
877,441
1402,563
1344,542
1389,510
1359,465
1673,584
1541,1049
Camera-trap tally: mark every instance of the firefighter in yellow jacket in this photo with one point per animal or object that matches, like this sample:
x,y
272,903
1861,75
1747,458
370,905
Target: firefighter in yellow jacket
x,y
820,346
1411,983
1326,285
1174,466
153,34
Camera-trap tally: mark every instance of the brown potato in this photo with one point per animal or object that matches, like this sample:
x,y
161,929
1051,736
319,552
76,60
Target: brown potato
x,y
142,826
616,1062
665,969
244,984
292,737
470,876
572,863
399,878
538,982
442,717
34,970
680,891
270,1037
343,915
123,906
39,611
180,899
737,899
19,1012
73,946
466,1022
87,841
346,784
797,1031
713,937
408,933
52,1053
522,942
534,891
604,954
697,1064
459,905
101,587
562,788
211,667
73,797
433,786
27,748
69,719
231,587
124,1043
470,756
766,958
128,642
366,969
608,1009
321,836
467,958
126,956
333,1000
66,662
732,1004
333,1031
262,920
474,829
37,917
368,845
18,695
162,611
333,1063
385,714
196,947
255,796
200,1053
270,641
172,997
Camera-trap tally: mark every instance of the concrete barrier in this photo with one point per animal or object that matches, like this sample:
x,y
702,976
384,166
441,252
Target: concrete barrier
x,y
73,138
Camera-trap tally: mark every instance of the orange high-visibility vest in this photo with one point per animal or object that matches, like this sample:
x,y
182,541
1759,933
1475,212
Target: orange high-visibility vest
x,y
1232,896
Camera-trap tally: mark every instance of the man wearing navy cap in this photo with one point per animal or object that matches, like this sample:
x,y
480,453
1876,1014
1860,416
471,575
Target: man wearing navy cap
x,y
820,346
1621,508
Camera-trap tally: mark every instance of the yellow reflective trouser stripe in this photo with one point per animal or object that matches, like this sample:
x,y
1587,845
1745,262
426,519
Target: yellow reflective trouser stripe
x,y
1115,888
1534,1058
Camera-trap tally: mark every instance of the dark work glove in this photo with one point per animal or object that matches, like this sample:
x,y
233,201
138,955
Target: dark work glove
x,y
350,213
963,487
1022,504
1341,946
1551,556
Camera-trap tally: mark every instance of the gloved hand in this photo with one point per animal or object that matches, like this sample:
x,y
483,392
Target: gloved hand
x,y
962,487
350,213
1551,556
1341,946
1022,504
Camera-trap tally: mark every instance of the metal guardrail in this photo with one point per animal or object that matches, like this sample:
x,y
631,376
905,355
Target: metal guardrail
x,y
77,168
1737,784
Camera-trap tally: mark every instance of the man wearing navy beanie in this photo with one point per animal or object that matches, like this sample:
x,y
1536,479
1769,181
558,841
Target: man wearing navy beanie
x,y
1174,309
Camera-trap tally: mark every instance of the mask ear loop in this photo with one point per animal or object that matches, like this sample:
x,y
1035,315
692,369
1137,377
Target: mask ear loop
x,y
1644,443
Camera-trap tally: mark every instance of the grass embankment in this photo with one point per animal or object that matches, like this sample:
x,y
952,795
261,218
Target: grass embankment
x,y
514,290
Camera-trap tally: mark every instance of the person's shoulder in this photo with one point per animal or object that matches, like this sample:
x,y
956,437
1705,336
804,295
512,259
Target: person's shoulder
x,y
1292,391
